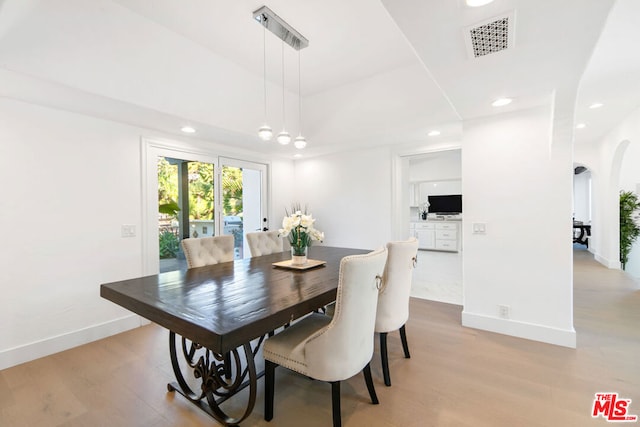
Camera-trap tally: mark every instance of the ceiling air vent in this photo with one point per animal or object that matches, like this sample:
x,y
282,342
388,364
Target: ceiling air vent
x,y
490,36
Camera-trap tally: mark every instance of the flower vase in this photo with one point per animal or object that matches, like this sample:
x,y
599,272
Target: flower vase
x,y
299,256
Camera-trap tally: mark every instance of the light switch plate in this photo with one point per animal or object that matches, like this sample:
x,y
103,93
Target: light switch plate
x,y
479,228
128,230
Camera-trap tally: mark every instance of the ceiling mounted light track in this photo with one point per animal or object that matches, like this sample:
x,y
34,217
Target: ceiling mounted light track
x,y
285,32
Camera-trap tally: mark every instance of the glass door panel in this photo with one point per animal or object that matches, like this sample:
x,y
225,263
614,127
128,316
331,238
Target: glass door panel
x,y
244,201
186,207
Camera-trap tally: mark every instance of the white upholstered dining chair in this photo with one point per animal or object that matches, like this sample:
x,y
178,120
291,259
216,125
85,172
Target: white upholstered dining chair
x,y
264,242
393,301
337,348
208,250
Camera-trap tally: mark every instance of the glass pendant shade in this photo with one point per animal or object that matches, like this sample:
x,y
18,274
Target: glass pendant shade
x,y
265,133
283,137
300,142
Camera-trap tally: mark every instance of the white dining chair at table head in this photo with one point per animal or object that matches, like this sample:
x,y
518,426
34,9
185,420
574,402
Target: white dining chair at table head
x,y
333,348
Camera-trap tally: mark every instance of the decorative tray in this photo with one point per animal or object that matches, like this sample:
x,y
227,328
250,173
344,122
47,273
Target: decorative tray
x,y
311,263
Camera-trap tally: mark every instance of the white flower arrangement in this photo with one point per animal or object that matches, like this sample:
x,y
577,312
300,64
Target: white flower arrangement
x,y
298,227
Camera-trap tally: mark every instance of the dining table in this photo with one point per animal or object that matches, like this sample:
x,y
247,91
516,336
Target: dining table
x,y
219,315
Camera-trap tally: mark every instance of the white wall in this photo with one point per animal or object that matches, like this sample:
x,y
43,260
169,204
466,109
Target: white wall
x,y
440,166
519,183
349,194
80,179
439,188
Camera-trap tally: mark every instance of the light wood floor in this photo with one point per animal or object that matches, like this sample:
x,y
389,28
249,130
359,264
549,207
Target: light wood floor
x,y
456,376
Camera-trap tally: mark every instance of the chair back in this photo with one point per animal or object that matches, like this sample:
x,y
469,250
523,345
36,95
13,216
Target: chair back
x,y
264,242
393,301
345,346
208,250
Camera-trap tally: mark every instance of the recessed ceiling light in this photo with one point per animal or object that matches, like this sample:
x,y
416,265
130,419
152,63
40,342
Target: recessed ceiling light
x,y
434,133
297,156
188,129
596,105
477,3
581,126
500,102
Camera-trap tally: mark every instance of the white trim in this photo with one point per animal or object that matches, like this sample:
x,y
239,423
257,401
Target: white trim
x,y
25,353
530,331
616,265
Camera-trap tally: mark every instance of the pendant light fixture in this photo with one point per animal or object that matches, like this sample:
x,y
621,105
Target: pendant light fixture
x,y
285,32
283,137
300,141
265,132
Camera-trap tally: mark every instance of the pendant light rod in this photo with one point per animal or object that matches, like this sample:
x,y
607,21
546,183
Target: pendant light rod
x,y
283,119
265,132
299,99
300,141
278,26
264,69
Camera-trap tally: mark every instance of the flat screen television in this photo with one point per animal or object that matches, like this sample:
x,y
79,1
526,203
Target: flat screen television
x,y
446,204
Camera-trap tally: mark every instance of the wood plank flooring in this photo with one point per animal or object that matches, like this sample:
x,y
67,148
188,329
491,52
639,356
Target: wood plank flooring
x,y
455,377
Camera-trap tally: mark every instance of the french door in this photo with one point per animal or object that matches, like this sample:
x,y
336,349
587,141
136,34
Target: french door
x,y
189,193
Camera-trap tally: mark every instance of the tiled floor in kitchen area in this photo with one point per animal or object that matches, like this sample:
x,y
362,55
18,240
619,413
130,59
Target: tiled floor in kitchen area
x,y
438,277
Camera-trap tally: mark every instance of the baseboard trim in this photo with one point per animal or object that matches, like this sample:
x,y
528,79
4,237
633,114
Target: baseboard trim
x,y
530,331
35,350
608,263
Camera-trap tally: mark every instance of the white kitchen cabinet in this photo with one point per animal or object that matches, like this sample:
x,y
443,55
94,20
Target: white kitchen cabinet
x,y
437,235
447,236
425,232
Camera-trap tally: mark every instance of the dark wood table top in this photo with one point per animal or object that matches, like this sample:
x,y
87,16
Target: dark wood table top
x,y
225,305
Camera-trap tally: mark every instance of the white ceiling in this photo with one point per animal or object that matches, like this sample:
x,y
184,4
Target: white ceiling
x,y
375,73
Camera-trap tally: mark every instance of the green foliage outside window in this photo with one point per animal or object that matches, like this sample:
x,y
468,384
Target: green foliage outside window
x,y
201,191
231,191
168,244
629,229
201,194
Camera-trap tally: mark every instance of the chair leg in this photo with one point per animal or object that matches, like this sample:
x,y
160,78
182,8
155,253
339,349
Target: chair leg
x,y
269,380
335,403
367,378
405,345
385,359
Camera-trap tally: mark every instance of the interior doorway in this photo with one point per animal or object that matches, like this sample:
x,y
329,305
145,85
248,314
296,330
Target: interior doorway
x,y
582,207
438,275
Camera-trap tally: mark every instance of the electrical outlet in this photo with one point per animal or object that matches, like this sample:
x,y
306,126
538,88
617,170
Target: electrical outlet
x,y
504,311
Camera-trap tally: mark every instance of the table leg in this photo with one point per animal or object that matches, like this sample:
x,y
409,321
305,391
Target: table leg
x,y
217,376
